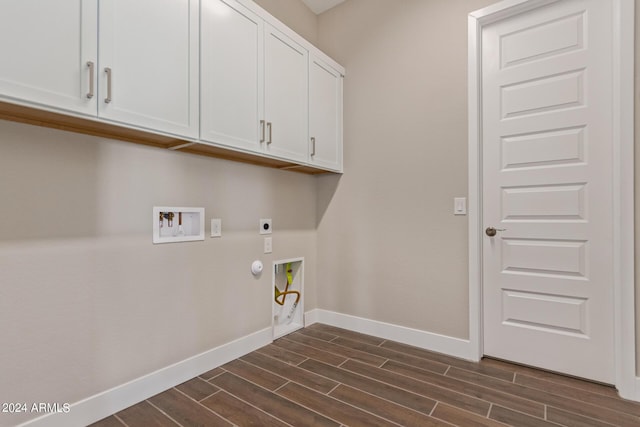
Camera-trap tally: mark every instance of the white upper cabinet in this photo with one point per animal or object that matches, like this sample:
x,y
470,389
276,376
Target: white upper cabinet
x,y
286,96
148,64
220,75
254,83
45,47
232,89
325,115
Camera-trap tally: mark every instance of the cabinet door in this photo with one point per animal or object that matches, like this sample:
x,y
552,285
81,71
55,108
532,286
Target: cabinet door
x,y
325,116
148,65
232,85
44,49
286,96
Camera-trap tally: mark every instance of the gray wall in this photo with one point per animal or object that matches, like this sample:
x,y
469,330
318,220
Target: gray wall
x,y
389,246
87,302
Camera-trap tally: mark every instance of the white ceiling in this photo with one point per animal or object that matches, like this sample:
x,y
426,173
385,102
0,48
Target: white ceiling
x,y
319,6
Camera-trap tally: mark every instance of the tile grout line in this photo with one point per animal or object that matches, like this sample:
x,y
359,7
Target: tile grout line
x,y
208,409
370,394
284,378
333,389
316,348
495,390
310,347
215,376
339,400
475,372
283,385
540,404
552,382
164,413
340,365
306,407
572,399
556,379
340,345
588,416
384,362
417,393
393,351
475,375
434,408
251,404
275,357
407,390
355,388
350,335
121,420
583,391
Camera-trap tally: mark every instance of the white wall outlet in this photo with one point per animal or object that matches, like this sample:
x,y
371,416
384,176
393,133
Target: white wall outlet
x,y
216,227
177,224
460,206
268,245
265,226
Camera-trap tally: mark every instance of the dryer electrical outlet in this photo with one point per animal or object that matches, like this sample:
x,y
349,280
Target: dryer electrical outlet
x,y
265,226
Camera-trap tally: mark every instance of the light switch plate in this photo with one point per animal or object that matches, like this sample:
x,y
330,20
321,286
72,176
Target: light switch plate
x,y
268,245
216,227
460,206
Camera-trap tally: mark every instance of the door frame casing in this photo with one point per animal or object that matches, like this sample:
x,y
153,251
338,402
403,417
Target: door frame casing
x,y
623,182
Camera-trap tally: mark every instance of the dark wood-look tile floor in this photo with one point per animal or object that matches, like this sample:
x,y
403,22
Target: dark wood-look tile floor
x,y
326,376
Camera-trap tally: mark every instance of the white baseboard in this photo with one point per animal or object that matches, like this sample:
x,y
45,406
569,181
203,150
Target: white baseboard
x,y
636,394
102,405
429,341
311,317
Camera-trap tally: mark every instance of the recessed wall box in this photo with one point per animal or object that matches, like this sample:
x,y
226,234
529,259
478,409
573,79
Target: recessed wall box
x,y
177,224
288,296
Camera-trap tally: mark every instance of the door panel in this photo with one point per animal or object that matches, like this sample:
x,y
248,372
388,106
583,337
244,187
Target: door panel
x,y
547,175
45,61
325,115
551,313
286,96
232,84
544,148
151,48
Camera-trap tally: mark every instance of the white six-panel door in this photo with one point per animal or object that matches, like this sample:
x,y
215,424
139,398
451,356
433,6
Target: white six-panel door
x,y
547,183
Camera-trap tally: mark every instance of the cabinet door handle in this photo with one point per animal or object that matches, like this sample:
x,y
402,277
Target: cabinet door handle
x,y
108,98
313,145
269,131
91,66
262,131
